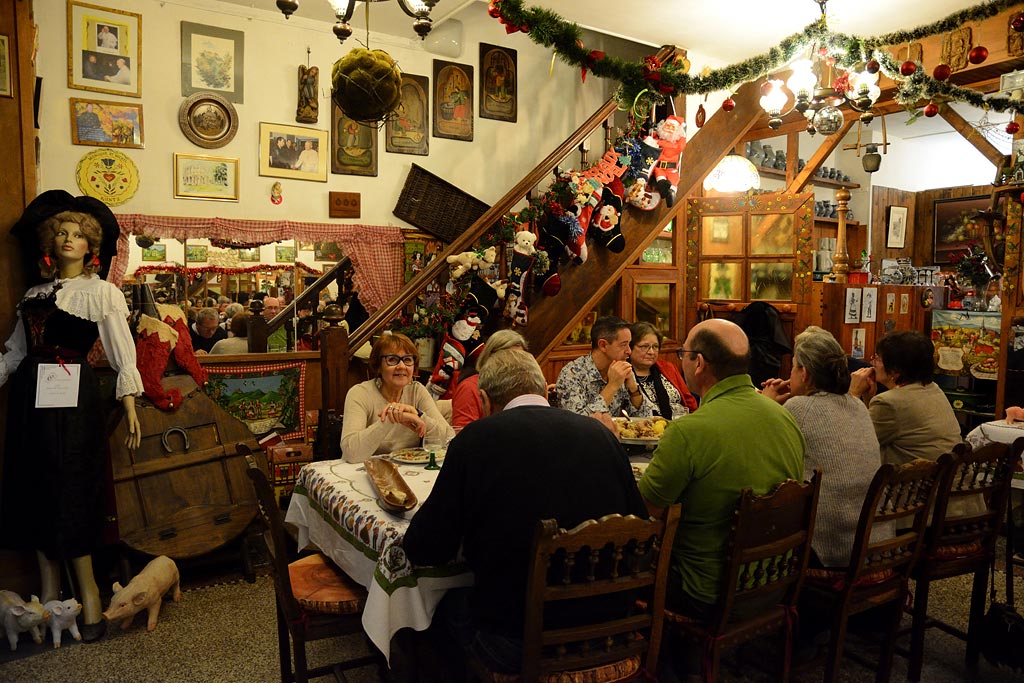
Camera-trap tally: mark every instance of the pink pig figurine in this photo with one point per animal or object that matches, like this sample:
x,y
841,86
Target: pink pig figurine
x,y
145,591
62,616
16,616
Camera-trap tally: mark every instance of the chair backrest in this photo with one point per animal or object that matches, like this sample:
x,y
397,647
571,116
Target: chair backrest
x,y
612,555
278,545
769,548
900,496
971,500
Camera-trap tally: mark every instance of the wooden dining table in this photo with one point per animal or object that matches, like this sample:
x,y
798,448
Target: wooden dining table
x,y
335,507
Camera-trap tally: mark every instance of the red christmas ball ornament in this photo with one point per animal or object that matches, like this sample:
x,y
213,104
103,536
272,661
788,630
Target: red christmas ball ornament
x,y
728,104
977,55
1012,127
941,72
872,66
1018,23
908,68
931,109
493,10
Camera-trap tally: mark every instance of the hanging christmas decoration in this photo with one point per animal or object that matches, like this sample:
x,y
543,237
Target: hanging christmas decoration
x,y
366,85
728,104
978,54
941,72
931,109
1012,127
908,68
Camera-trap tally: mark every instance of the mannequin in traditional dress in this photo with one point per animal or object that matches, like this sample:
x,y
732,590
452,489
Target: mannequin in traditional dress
x,y
55,464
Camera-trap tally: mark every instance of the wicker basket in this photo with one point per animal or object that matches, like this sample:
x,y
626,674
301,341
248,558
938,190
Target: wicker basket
x,y
436,206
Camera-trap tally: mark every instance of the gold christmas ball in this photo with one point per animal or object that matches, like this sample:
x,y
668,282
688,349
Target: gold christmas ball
x,y
367,85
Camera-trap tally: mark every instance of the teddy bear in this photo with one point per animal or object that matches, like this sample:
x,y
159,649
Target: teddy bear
x,y
522,263
471,260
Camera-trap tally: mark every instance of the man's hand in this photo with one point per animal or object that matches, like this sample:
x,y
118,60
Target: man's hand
x,y
607,421
618,372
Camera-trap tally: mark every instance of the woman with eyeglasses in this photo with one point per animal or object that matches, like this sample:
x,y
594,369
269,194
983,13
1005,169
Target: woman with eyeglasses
x,y
913,419
660,381
393,411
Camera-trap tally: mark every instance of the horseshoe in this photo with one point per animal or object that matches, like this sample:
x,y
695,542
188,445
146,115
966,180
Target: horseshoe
x,y
171,430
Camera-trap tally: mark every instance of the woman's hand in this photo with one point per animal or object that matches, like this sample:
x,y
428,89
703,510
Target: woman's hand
x,y
134,437
777,390
862,383
405,415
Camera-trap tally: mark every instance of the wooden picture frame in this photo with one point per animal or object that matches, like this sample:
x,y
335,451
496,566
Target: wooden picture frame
x,y
106,124
353,145
896,235
409,131
212,59
453,101
104,49
197,253
248,254
6,80
285,254
155,252
950,218
282,147
499,83
327,252
197,176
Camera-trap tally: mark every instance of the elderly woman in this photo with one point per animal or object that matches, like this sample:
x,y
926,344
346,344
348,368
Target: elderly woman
x,y
238,342
466,405
839,435
392,411
660,381
913,419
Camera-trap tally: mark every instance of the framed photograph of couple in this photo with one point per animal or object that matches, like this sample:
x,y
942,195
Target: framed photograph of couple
x,y
288,151
104,49
106,124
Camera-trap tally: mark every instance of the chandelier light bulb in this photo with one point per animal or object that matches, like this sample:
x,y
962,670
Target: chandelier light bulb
x,y
733,174
772,101
802,82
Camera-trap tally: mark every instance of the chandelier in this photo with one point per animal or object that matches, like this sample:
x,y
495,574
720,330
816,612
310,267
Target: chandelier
x,y
419,10
733,174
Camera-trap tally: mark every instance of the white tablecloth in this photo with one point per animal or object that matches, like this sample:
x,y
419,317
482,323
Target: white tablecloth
x,y
334,506
998,431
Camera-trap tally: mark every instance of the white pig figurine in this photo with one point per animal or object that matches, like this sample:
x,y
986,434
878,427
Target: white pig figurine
x,y
145,591
16,616
62,616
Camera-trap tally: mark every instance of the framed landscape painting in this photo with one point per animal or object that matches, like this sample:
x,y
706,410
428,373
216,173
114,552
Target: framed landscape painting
x,y
453,101
408,132
205,177
196,253
106,124
212,58
498,83
104,49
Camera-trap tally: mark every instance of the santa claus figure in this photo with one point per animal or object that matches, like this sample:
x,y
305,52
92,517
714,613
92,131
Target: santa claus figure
x,y
670,136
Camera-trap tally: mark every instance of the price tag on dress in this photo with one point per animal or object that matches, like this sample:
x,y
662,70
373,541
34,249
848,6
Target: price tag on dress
x,y
57,385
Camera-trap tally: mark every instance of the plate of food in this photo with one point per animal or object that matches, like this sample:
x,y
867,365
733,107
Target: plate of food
x,y
640,431
986,369
393,493
415,456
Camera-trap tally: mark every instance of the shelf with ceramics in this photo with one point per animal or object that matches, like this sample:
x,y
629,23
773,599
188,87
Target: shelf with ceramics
x,y
819,181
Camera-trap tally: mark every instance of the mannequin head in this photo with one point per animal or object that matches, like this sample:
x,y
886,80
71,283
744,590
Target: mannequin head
x,y
48,230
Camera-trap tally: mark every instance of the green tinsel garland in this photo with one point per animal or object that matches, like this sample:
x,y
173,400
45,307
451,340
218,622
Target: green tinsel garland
x,y
551,30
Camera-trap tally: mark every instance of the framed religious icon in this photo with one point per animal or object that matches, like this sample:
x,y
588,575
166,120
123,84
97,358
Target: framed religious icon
x,y
407,132
106,124
293,152
453,101
327,251
498,83
205,177
415,258
212,59
952,217
104,49
353,145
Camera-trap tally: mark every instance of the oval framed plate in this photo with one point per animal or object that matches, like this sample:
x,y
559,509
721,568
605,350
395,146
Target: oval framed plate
x,y
208,120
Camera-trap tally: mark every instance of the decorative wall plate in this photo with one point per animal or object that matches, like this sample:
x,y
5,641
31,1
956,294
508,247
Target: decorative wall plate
x,y
108,175
208,119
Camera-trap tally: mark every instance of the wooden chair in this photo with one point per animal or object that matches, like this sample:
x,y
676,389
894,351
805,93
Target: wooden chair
x,y
768,553
614,554
964,544
899,497
315,599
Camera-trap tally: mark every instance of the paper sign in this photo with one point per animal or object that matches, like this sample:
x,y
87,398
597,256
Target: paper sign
x,y
852,305
57,385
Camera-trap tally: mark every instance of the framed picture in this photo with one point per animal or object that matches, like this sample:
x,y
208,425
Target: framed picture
x,y
857,343
293,152
198,253
305,246
951,217
284,254
897,236
212,58
204,177
353,145
106,124
104,49
852,314
415,258
453,101
869,305
5,68
408,132
498,83
249,254
327,251
890,304
156,252
263,396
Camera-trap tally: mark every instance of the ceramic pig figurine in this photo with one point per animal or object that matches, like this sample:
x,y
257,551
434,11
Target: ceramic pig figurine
x,y
16,616
145,591
62,616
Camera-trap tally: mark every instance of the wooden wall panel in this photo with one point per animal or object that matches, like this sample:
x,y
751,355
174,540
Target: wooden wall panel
x,y
881,199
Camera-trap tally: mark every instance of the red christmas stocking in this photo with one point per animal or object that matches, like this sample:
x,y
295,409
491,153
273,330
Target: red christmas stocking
x,y
152,349
515,302
184,354
446,371
607,232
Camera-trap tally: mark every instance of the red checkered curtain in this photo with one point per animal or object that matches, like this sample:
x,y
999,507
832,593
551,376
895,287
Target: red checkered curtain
x,y
376,250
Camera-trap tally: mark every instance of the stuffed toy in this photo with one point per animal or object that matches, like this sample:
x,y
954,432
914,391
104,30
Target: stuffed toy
x,y
555,229
522,263
671,139
462,343
607,218
588,196
471,260
640,156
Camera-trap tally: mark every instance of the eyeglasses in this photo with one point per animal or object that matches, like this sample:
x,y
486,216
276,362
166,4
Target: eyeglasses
x,y
646,348
682,351
393,360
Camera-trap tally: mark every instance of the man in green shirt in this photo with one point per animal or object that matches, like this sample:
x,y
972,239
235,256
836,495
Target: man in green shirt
x,y
737,439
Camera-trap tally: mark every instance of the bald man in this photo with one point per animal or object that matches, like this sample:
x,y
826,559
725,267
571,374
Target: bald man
x,y
737,439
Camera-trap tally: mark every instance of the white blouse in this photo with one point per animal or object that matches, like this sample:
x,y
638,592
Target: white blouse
x,y
96,300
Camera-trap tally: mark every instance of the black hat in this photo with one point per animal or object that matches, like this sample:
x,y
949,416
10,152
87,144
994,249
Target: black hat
x,y
49,204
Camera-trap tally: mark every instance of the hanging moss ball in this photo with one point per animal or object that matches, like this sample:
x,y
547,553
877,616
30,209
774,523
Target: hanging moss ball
x,y
367,85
